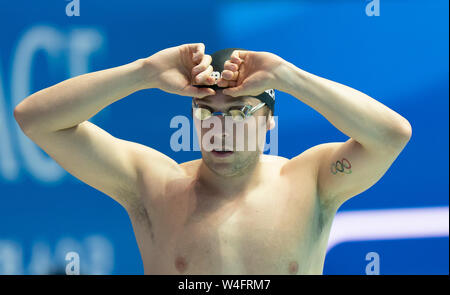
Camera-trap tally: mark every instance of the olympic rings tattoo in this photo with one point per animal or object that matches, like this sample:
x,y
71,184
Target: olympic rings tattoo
x,y
342,166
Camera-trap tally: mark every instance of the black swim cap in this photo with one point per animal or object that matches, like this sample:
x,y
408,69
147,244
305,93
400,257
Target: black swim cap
x,y
218,60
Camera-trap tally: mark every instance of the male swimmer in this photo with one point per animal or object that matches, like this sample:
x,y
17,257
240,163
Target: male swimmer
x,y
234,211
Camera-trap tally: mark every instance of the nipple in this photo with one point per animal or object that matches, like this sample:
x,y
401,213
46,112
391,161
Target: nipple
x,y
181,264
293,267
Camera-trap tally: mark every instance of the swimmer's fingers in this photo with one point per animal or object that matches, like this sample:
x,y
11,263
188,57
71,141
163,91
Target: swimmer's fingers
x,y
229,74
205,78
228,79
234,91
198,51
225,83
230,66
201,73
222,82
238,56
231,71
247,88
232,84
202,66
193,91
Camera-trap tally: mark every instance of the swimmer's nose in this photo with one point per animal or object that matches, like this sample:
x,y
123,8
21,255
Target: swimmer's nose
x,y
220,138
223,139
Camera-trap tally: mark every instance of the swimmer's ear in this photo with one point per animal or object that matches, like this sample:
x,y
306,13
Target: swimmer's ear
x,y
271,124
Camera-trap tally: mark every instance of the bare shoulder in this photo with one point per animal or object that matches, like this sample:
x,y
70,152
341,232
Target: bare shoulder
x,y
155,172
153,162
191,164
306,167
274,161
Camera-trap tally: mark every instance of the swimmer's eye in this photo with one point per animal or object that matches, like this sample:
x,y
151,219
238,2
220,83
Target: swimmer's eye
x,y
237,115
202,113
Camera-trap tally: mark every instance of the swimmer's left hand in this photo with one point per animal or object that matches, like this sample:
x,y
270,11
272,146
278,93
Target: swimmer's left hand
x,y
249,73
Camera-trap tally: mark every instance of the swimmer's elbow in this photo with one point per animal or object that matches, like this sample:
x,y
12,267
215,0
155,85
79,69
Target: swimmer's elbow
x,y
407,131
29,121
21,118
24,121
402,134
394,139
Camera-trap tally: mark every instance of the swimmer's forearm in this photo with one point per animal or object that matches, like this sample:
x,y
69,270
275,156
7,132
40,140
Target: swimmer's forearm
x,y
354,113
75,100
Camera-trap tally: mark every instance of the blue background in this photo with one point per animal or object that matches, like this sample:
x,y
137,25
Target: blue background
x,y
400,58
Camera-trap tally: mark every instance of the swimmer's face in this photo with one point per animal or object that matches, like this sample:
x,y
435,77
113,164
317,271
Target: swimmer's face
x,y
228,147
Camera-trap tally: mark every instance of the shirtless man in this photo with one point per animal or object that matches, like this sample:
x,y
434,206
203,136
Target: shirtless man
x,y
231,212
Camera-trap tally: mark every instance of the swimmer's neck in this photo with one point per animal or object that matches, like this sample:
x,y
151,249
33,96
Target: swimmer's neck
x,y
229,185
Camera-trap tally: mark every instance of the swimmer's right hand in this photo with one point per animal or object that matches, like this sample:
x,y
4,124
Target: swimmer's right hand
x,y
177,69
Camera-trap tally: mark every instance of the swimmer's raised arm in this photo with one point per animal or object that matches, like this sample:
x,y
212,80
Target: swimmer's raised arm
x,y
344,169
56,118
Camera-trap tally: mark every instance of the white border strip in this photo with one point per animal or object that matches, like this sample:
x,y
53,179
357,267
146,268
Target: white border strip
x,y
391,224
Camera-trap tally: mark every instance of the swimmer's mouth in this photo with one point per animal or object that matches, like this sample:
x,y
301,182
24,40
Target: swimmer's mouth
x,y
222,153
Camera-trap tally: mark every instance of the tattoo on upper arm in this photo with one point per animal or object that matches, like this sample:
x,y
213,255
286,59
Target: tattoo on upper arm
x,y
341,166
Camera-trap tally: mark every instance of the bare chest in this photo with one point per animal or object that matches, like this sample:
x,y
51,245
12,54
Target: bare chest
x,y
273,229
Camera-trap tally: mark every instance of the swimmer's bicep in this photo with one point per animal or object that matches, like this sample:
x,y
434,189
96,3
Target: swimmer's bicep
x,y
95,157
346,169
